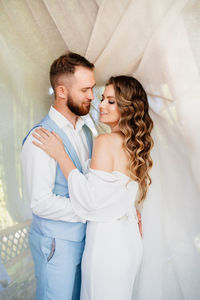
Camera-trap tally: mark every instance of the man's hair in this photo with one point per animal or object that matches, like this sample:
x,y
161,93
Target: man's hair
x,y
66,64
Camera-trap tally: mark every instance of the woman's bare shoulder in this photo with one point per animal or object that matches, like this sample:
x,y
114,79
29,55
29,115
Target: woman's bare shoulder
x,y
103,137
103,144
113,137
102,156
106,147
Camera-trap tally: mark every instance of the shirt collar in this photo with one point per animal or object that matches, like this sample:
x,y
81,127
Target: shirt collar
x,y
62,122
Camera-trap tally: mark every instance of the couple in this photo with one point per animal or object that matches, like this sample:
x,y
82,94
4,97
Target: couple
x,y
66,189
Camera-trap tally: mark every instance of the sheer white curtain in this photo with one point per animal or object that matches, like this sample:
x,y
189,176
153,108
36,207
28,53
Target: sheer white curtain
x,y
158,43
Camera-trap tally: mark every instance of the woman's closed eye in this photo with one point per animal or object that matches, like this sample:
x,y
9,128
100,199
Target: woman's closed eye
x,y
109,100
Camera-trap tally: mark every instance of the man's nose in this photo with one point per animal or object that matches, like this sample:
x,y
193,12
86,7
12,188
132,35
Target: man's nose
x,y
90,94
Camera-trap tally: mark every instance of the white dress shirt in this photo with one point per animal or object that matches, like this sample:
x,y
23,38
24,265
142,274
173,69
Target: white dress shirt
x,y
39,172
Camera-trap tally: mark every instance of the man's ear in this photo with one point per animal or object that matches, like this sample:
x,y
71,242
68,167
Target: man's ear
x,y
61,91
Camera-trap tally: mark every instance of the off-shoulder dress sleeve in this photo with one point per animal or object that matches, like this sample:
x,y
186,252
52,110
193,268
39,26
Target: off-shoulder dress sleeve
x,y
99,195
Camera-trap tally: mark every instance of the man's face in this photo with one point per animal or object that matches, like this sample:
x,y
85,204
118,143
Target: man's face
x,y
80,93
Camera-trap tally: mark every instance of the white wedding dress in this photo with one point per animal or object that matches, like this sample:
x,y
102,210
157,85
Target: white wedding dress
x,y
113,249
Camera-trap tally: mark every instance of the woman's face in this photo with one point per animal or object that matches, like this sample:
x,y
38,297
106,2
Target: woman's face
x,y
109,111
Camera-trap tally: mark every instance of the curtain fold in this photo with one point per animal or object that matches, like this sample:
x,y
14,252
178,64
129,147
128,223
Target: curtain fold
x,y
74,20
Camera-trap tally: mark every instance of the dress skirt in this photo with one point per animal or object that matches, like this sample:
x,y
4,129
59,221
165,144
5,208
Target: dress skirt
x,y
111,259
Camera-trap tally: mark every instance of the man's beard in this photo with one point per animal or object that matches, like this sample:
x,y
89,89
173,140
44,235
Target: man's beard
x,y
77,110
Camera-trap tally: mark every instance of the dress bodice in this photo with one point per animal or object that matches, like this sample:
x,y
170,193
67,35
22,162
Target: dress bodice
x,y
102,196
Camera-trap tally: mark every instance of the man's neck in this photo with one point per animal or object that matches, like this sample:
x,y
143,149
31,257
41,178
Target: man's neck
x,y
71,117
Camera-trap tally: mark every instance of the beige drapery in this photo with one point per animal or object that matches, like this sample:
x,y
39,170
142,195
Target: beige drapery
x,y
155,41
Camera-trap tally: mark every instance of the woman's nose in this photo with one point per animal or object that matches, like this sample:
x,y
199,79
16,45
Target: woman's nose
x,y
102,104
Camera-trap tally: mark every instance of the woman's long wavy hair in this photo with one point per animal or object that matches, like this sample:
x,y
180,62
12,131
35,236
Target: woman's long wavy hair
x,y
136,125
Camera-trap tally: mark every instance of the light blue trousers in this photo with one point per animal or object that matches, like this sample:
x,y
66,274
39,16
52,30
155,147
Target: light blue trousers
x,y
57,267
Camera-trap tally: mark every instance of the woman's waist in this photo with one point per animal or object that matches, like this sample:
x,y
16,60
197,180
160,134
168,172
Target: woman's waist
x,y
130,217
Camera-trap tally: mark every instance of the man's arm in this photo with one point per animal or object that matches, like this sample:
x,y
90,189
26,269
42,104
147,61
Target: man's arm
x,y
39,172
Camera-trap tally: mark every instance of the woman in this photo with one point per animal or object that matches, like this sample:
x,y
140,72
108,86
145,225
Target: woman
x,y
116,182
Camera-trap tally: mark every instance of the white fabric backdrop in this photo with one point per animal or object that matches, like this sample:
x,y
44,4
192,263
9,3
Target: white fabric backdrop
x,y
157,42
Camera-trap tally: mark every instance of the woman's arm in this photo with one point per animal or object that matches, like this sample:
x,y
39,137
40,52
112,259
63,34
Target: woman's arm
x,y
52,144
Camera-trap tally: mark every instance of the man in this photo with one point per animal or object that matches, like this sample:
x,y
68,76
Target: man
x,y
57,235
